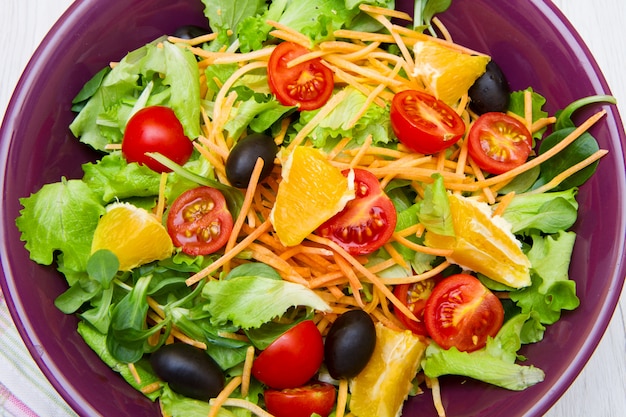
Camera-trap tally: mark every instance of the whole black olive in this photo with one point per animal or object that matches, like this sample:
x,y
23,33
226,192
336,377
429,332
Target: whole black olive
x,y
190,32
189,371
349,344
490,92
242,158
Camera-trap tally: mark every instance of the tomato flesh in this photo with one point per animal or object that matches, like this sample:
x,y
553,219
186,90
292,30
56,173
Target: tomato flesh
x,y
423,123
367,222
498,142
414,296
303,401
461,312
155,129
292,359
199,221
307,85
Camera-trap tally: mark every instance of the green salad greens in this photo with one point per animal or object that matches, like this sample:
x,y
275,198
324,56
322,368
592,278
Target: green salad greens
x,y
118,309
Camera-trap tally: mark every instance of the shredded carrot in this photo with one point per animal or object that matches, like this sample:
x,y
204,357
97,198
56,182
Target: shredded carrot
x,y
247,371
436,393
264,227
503,204
236,402
134,373
342,398
247,203
219,401
161,201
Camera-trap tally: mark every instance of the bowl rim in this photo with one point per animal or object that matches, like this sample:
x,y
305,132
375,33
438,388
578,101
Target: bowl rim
x,y
76,12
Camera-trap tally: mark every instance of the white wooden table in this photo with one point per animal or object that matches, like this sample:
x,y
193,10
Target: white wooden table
x,y
600,390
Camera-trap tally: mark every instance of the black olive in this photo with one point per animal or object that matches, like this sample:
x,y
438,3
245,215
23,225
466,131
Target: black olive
x,y
490,92
191,32
243,157
189,371
349,344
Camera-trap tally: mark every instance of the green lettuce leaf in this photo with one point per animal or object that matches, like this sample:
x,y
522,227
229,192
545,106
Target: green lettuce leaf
x,y
250,301
494,364
545,212
374,122
551,291
60,217
434,210
97,342
144,77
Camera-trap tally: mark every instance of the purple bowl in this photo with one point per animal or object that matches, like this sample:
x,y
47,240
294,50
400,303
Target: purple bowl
x,y
530,40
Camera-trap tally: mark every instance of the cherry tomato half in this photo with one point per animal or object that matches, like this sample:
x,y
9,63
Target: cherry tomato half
x,y
498,142
423,123
155,129
367,222
308,85
414,296
318,397
463,313
199,221
292,359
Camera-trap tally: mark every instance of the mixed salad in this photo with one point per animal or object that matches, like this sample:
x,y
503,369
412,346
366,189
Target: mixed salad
x,y
302,213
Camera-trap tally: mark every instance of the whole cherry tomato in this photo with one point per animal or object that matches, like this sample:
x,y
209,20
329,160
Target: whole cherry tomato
x,y
155,129
292,359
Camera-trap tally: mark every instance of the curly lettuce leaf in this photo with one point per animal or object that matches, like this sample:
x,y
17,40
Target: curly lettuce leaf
x,y
494,364
551,291
317,19
147,76
60,217
374,122
250,301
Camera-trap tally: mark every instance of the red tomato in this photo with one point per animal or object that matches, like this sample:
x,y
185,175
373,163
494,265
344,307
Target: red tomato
x,y
498,142
423,123
155,129
462,312
199,221
366,222
414,296
292,359
317,398
308,85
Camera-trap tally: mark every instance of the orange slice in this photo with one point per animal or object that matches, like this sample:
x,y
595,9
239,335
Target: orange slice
x,y
447,73
134,235
311,191
380,389
483,243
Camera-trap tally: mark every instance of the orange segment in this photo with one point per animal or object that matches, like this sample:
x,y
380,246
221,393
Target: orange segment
x,y
446,73
483,243
134,235
311,191
380,389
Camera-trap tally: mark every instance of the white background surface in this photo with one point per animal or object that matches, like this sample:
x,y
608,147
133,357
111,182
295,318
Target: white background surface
x,y
600,390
